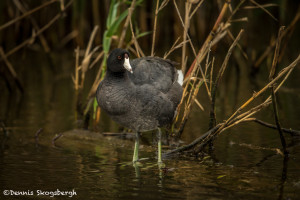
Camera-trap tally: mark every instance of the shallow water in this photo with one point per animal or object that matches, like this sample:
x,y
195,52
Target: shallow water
x,y
98,167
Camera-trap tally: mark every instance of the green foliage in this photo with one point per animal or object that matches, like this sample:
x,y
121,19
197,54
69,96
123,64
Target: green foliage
x,y
221,176
138,34
112,24
95,105
137,3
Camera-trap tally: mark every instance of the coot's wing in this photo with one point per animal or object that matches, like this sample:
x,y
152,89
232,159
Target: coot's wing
x,y
153,104
158,72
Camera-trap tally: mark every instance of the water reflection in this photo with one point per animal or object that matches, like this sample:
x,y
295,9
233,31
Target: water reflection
x,y
95,167
283,176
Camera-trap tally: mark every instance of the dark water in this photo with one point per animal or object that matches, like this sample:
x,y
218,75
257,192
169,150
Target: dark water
x,y
98,167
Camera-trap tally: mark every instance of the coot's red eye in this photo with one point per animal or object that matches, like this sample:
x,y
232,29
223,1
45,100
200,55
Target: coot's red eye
x,y
119,57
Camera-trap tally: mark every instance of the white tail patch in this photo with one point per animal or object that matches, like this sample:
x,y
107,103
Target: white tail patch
x,y
180,77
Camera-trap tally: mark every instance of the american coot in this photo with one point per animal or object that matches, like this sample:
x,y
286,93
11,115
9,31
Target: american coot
x,y
142,94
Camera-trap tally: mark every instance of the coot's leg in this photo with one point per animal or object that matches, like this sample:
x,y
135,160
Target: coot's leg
x,y
159,147
136,147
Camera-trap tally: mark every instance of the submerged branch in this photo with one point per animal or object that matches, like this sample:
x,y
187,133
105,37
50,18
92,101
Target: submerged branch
x,y
195,142
56,138
37,134
285,130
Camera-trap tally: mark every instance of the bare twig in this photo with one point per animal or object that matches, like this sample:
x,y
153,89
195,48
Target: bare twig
x,y
87,56
246,115
239,46
96,83
154,28
76,79
285,130
37,134
263,8
188,7
187,18
211,75
96,59
232,118
273,43
276,54
157,10
255,95
225,62
212,122
235,119
2,124
56,138
243,19
11,70
194,73
130,11
195,86
194,143
68,38
62,5
174,46
202,53
274,99
35,25
235,10
89,46
24,43
138,49
195,54
26,14
196,8
162,5
253,147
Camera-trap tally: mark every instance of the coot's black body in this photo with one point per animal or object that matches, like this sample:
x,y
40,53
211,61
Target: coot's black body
x,y
146,98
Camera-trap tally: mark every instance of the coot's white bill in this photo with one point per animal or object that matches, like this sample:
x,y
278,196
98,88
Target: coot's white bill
x,y
127,64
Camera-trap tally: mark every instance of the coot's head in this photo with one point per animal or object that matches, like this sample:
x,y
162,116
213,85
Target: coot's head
x,y
118,61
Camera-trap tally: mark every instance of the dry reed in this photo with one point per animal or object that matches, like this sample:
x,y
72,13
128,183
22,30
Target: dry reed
x,y
236,117
11,70
41,30
26,14
274,98
34,24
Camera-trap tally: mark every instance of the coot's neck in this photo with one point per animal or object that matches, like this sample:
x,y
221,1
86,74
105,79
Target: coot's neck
x,y
120,76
